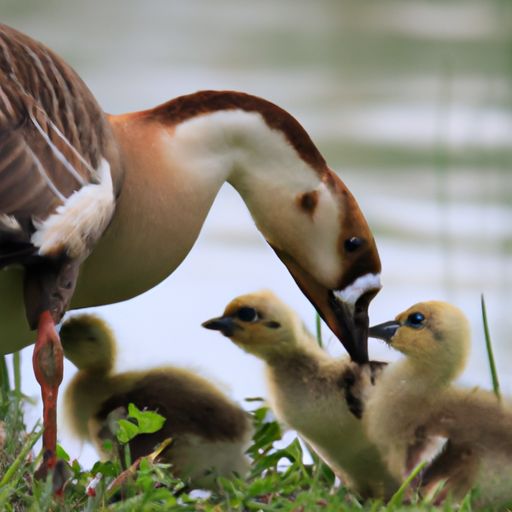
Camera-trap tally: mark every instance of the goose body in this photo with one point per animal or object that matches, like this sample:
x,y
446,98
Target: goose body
x,y
210,433
416,413
96,209
320,397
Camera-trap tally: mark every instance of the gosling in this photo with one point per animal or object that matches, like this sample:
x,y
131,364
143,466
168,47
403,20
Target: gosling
x,y
209,432
416,414
320,397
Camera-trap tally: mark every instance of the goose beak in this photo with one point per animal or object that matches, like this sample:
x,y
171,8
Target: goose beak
x,y
345,311
384,331
225,324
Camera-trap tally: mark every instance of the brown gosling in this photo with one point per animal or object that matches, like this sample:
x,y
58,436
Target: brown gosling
x,y
320,397
210,433
415,408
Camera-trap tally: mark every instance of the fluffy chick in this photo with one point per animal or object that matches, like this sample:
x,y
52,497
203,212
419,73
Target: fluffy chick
x,y
416,413
209,432
320,397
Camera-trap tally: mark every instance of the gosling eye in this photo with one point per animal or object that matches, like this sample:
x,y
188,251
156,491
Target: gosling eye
x,y
247,314
353,243
415,320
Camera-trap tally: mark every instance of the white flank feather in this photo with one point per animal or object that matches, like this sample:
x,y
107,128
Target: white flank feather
x,y
83,217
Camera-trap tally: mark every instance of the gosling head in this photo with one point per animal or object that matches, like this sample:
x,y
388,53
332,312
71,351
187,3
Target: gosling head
x,y
88,343
260,324
434,335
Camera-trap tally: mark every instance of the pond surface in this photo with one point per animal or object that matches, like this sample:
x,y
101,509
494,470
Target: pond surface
x,y
410,101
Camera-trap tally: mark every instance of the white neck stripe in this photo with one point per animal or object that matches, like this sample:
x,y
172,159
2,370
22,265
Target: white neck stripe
x,y
361,285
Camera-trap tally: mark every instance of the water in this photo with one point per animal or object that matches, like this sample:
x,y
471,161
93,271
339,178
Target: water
x,y
408,100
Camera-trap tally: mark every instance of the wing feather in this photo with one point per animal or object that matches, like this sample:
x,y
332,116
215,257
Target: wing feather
x,y
53,135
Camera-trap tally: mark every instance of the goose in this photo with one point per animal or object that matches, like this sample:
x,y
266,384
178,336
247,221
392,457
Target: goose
x,y
96,209
321,397
417,414
210,433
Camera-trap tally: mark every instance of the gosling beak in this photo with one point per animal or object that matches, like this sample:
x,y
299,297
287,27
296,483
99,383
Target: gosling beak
x,y
225,324
345,311
384,331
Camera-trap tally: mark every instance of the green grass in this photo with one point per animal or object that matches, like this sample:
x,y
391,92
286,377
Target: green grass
x,y
490,353
278,481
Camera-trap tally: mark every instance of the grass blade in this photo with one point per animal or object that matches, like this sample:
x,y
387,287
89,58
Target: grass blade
x,y
29,444
4,380
397,498
16,364
490,354
318,324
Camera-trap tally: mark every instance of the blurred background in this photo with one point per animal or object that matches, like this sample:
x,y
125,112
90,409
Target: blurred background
x,y
409,100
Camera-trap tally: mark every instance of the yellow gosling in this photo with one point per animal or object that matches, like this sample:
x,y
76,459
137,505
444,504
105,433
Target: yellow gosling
x,y
416,414
320,397
210,432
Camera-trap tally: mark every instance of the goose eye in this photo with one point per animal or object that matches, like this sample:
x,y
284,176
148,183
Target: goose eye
x,y
353,243
415,320
247,314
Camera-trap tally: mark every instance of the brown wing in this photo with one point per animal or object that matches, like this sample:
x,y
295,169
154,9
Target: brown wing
x,y
474,424
52,135
476,417
454,468
188,404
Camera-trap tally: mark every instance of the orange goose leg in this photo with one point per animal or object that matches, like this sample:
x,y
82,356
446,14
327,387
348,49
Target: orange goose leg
x,y
48,363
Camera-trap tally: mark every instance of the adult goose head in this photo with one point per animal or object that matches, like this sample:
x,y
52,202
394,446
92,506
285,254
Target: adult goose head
x,y
96,209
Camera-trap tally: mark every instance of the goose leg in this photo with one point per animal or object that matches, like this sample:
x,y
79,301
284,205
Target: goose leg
x,y
48,367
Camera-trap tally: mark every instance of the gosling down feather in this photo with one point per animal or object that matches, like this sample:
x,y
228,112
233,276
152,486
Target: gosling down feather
x,y
416,413
210,433
96,209
320,397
